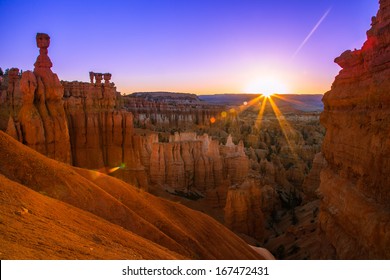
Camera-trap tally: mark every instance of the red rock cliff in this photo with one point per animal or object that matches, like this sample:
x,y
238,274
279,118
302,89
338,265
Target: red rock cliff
x,y
355,211
101,132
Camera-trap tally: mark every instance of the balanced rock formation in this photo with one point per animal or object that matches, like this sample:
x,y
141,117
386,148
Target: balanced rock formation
x,y
33,107
355,186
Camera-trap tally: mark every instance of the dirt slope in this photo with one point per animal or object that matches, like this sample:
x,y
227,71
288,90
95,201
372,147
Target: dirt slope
x,y
185,232
34,226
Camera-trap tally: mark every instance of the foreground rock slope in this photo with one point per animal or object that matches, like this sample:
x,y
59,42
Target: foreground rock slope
x,y
42,197
355,185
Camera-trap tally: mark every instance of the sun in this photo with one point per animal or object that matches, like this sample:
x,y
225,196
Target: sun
x,y
267,86
267,94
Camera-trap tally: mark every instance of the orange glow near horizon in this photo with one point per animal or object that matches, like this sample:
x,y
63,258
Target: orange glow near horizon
x,y
254,82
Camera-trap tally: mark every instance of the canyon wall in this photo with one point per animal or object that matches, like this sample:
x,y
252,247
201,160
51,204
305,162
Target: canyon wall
x,y
168,111
355,185
101,133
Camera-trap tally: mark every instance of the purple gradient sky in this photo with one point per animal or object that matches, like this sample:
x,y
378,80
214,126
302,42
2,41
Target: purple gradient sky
x,y
194,46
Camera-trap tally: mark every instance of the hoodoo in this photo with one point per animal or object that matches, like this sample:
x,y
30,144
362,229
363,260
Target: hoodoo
x,y
33,106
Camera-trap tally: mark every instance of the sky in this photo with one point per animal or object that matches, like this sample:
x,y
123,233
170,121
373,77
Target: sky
x,y
196,46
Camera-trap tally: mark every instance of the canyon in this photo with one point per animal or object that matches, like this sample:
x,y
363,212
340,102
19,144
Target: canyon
x,y
51,210
83,124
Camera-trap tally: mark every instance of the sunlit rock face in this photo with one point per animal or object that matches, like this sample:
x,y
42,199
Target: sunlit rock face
x,y
32,107
101,133
355,186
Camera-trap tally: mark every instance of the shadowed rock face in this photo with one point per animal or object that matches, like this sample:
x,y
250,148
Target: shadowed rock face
x,y
312,180
355,218
243,210
198,165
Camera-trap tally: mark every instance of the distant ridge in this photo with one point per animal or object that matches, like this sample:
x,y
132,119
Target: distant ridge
x,y
302,102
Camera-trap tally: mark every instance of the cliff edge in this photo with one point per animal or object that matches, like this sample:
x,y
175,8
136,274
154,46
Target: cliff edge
x,y
355,185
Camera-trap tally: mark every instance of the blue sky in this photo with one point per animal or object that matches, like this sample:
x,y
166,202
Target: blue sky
x,y
189,46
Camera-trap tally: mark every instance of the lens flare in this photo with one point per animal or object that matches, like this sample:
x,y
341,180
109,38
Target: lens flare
x,y
113,169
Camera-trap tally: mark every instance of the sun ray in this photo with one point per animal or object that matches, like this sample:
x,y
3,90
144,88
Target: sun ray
x,y
248,104
259,118
285,98
285,127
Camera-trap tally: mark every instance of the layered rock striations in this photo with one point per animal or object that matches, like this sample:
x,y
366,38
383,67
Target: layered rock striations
x,y
355,186
101,133
197,165
167,111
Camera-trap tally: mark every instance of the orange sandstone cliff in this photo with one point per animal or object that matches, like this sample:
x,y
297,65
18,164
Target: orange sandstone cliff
x,y
101,133
355,185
